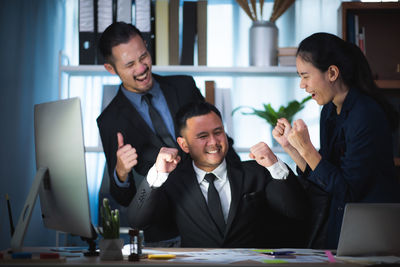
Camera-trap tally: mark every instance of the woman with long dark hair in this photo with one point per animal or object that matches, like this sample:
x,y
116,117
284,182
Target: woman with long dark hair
x,y
355,161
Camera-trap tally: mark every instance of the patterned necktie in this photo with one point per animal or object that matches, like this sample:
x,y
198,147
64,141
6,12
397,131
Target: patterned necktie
x,y
214,203
158,123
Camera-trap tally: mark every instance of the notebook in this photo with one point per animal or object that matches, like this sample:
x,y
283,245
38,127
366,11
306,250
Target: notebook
x,y
370,229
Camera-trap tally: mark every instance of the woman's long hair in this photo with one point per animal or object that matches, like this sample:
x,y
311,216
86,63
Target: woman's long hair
x,y
323,50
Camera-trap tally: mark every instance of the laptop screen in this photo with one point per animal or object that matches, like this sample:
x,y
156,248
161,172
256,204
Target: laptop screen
x,y
370,229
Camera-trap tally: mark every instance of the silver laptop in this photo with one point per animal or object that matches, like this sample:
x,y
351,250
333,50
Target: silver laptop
x,y
370,229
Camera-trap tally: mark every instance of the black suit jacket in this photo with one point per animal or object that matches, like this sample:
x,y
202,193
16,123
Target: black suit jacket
x,y
257,201
121,116
357,165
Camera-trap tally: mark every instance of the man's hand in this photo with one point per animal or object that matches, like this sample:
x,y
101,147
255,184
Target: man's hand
x,y
281,132
263,154
126,158
167,160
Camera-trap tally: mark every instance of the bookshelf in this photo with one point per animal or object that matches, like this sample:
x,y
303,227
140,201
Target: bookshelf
x,y
380,22
381,25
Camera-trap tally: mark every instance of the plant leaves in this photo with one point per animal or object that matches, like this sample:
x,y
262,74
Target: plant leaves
x,y
271,116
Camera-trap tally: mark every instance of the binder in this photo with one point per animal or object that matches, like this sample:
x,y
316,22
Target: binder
x,y
110,12
123,11
188,32
94,17
145,24
87,35
104,19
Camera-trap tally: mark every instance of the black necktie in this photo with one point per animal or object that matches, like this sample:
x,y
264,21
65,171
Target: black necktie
x,y
214,203
158,123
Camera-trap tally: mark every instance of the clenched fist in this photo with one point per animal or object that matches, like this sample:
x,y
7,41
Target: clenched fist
x,y
263,154
167,159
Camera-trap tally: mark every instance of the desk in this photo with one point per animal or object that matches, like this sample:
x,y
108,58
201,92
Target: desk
x,y
80,260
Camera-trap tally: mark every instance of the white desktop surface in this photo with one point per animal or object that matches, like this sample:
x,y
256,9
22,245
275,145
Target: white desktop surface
x,y
80,260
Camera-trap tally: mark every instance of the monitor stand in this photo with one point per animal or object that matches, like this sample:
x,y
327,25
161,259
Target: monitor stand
x,y
17,239
92,245
25,217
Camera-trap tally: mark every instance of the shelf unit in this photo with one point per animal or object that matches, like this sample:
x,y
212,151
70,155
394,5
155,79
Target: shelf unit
x,y
382,39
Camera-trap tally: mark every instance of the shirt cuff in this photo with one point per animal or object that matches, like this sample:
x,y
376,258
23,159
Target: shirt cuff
x,y
119,183
156,179
279,170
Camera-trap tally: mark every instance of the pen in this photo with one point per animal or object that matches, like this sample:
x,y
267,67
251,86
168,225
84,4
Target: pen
x,y
276,253
10,215
161,256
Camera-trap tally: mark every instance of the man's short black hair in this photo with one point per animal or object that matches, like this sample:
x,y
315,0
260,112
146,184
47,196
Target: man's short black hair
x,y
115,34
193,109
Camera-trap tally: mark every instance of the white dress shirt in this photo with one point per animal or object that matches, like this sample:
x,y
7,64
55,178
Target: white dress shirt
x,y
155,179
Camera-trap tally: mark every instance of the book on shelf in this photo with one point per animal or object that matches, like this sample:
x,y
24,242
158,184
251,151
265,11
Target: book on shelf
x,y
356,30
210,92
223,102
161,37
173,32
361,40
287,56
287,51
351,33
202,32
287,60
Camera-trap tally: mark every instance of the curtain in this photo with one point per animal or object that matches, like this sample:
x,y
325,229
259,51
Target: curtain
x,y
32,35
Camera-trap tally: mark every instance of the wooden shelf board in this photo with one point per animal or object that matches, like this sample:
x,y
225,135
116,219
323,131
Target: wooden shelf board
x,y
99,70
388,84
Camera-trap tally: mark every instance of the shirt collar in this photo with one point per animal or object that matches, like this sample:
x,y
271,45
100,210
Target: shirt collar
x,y
136,98
220,172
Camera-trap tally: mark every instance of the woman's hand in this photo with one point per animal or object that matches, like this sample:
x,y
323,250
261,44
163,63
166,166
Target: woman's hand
x,y
299,137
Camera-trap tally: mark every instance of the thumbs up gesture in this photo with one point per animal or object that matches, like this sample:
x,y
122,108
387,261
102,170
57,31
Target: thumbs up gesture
x,y
126,158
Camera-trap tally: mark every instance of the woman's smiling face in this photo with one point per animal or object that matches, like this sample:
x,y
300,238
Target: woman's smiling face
x,y
314,82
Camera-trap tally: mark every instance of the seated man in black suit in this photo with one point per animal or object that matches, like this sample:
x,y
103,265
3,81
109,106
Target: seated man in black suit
x,y
216,202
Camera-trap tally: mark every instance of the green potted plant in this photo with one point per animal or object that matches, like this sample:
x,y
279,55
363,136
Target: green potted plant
x,y
111,244
271,115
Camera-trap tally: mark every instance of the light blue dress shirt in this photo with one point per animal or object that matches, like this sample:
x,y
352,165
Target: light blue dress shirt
x,y
160,104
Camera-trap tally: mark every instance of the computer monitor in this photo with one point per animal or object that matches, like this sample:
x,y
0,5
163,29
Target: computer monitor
x,y
60,179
